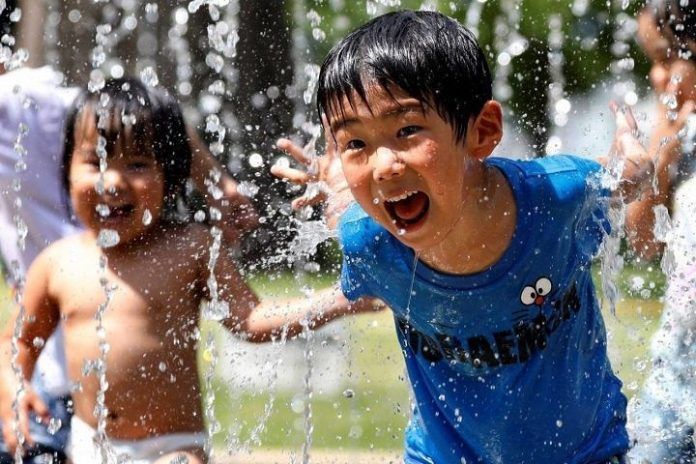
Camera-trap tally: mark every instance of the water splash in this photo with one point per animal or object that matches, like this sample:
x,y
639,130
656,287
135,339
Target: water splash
x,y
558,104
18,278
108,238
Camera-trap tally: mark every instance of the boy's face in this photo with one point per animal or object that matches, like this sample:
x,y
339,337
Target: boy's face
x,y
133,186
403,165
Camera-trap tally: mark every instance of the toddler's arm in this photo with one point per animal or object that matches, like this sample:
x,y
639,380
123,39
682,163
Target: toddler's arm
x,y
665,146
262,321
41,316
639,165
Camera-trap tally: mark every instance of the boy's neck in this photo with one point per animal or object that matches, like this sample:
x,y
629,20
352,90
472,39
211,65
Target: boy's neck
x,y
482,233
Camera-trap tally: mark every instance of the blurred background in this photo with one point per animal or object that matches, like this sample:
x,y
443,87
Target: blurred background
x,y
245,72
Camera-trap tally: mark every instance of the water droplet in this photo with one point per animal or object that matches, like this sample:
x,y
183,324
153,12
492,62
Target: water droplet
x,y
38,342
103,210
108,238
559,423
639,364
297,405
348,393
401,232
147,217
162,366
216,310
199,216
54,424
255,160
149,76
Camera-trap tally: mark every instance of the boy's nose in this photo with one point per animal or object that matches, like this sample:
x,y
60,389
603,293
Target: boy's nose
x,y
387,164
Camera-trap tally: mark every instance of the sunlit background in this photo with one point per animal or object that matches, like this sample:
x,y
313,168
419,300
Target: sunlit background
x,y
245,72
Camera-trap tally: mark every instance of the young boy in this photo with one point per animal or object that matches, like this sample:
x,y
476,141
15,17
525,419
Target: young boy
x,y
485,262
150,274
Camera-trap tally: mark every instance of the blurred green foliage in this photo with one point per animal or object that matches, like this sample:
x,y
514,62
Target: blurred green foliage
x,y
589,30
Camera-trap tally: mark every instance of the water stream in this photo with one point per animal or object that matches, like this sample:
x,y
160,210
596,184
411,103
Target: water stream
x,y
310,30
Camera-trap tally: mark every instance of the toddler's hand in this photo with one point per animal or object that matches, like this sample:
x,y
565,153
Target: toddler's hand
x,y
626,143
324,172
238,216
30,401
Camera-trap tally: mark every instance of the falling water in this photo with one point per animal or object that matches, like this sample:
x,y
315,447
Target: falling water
x,y
558,105
13,60
20,166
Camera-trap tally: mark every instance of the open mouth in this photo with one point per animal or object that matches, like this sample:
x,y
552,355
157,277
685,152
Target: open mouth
x,y
119,212
408,209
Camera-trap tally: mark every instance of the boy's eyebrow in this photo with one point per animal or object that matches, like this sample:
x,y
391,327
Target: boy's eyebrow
x,y
388,113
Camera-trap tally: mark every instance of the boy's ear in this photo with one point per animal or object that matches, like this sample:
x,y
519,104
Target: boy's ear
x,y
485,131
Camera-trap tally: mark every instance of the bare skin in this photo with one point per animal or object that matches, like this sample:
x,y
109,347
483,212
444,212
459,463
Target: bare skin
x,y
489,219
160,272
671,75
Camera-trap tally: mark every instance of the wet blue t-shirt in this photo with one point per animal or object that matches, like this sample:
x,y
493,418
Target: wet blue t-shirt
x,y
508,365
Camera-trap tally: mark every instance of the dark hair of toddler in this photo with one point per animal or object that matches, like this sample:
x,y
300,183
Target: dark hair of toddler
x,y
141,118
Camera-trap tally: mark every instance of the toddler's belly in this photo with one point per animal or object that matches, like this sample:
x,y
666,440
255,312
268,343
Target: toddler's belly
x,y
153,385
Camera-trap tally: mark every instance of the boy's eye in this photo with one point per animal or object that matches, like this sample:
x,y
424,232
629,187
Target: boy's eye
x,y
408,130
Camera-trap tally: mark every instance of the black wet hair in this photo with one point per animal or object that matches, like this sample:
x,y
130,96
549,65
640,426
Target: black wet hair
x,y
429,56
677,22
144,118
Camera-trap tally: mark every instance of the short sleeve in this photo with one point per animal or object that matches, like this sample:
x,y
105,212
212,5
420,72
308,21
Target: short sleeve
x,y
593,218
355,235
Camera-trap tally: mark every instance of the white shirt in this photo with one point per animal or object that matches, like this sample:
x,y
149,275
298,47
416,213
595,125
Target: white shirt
x,y
34,99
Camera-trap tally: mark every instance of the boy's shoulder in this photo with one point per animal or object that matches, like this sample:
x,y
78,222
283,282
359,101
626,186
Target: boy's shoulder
x,y
551,180
356,230
554,168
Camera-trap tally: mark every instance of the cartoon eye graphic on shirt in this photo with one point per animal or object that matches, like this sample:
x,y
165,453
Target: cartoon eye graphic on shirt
x,y
537,294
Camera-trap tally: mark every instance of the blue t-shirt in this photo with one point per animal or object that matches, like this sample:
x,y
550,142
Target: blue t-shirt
x,y
508,365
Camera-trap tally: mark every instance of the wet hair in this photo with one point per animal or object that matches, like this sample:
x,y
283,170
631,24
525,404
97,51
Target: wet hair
x,y
429,56
141,118
676,20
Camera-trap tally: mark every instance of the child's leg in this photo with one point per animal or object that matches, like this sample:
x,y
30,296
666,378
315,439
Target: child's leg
x,y
188,456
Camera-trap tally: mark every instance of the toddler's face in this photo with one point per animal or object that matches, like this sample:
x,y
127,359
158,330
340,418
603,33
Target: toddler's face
x,y
403,165
668,74
133,193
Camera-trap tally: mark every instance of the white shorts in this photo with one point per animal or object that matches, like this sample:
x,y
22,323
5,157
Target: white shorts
x,y
84,449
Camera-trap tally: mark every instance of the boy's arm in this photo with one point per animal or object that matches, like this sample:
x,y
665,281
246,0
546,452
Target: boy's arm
x,y
324,173
238,214
40,318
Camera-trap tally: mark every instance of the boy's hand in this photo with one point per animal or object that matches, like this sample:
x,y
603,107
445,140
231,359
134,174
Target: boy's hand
x,y
325,171
30,401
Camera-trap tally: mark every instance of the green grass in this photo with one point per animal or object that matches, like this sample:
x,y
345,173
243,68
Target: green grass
x,y
374,416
